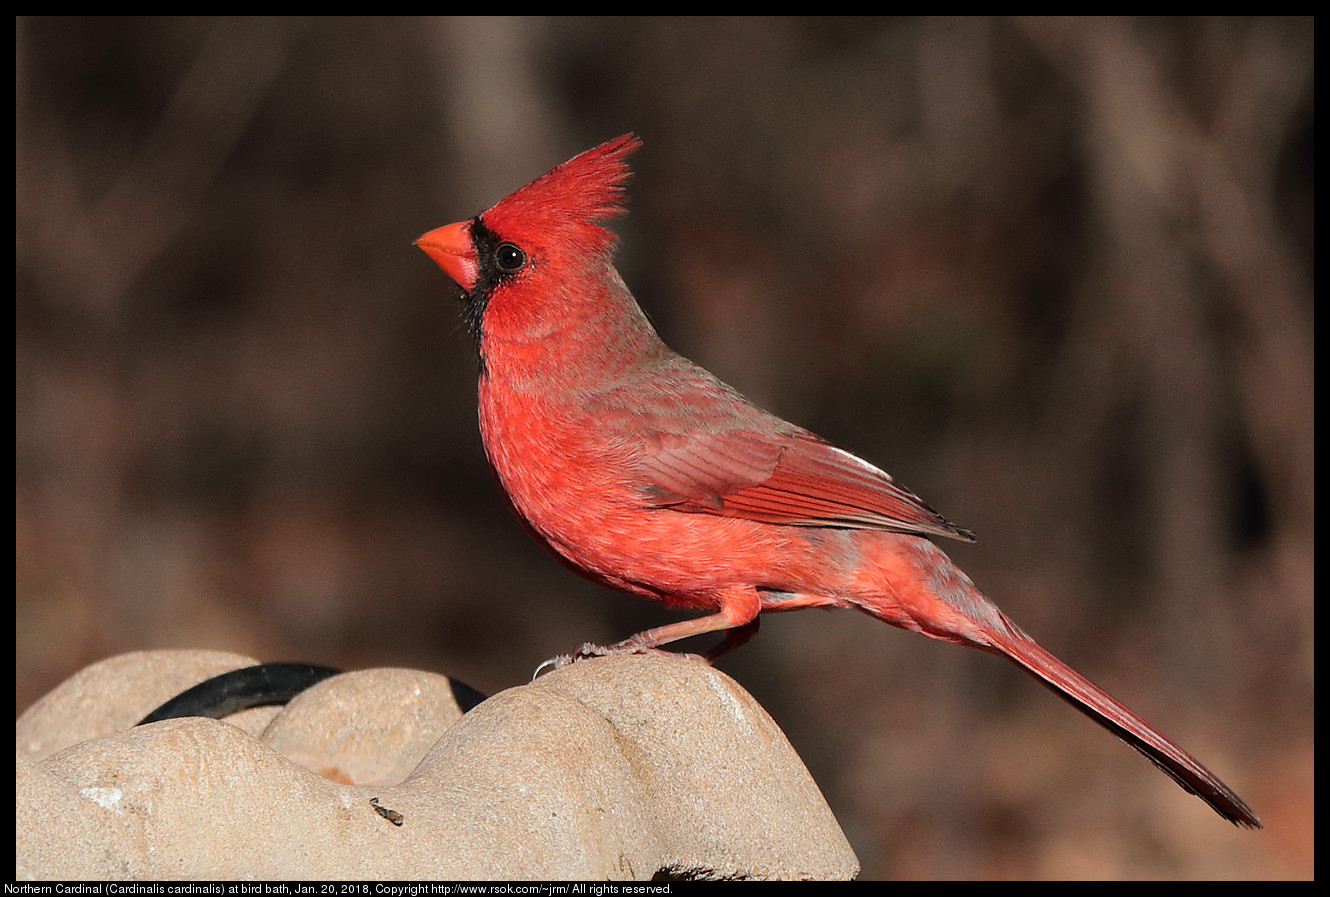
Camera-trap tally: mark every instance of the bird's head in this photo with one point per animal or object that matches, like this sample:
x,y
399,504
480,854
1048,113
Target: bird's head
x,y
537,253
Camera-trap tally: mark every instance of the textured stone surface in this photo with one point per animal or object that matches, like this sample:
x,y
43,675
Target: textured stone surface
x,y
612,768
113,695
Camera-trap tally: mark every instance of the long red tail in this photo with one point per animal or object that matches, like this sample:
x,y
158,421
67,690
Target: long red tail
x,y
1101,707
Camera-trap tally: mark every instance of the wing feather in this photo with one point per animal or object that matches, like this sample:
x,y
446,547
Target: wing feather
x,y
792,478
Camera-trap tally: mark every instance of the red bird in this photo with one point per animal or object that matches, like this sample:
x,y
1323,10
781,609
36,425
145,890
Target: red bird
x,y
643,471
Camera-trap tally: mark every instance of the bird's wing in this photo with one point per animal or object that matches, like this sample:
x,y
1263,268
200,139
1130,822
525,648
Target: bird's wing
x,y
771,471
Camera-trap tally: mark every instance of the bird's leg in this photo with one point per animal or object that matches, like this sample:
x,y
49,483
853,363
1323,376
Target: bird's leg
x,y
733,639
739,607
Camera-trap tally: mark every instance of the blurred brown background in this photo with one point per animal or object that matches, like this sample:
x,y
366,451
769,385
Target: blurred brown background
x,y
1056,275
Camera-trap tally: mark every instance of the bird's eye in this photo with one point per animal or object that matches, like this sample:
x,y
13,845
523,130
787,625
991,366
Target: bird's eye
x,y
509,257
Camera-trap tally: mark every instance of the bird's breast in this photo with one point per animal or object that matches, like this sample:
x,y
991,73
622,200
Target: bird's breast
x,y
571,485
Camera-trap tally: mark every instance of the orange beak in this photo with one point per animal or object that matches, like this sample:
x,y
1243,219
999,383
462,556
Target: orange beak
x,y
451,249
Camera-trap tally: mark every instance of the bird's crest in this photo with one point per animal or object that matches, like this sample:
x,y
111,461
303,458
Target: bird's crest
x,y
572,199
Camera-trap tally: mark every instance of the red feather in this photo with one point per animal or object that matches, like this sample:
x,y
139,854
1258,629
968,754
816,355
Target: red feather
x,y
805,481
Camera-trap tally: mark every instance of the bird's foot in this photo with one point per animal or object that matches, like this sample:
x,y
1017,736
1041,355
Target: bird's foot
x,y
627,646
550,665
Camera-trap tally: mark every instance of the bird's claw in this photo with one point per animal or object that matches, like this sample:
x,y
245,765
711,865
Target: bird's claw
x,y
552,664
563,660
591,650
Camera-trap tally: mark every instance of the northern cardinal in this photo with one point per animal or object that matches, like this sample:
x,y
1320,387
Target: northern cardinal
x,y
645,472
